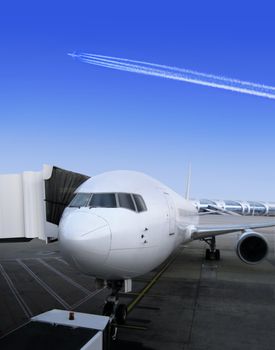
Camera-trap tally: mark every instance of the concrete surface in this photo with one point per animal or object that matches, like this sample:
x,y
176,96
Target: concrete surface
x,y
195,305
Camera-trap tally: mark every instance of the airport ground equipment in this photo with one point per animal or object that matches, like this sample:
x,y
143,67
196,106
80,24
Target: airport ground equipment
x,y
58,330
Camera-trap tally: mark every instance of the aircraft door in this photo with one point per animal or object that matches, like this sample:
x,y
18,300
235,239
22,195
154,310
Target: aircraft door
x,y
171,215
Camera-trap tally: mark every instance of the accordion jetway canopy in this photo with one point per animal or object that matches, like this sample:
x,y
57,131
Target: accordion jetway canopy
x,y
31,203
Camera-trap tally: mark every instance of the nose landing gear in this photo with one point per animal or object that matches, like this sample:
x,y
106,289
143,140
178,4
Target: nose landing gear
x,y
117,312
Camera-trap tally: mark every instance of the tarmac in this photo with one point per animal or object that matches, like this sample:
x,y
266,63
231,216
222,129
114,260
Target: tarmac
x,y
195,305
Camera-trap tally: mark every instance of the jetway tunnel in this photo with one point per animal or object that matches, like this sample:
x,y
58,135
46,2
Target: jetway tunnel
x,y
241,207
31,203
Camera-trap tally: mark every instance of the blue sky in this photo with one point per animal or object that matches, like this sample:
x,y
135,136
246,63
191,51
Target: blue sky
x,y
89,119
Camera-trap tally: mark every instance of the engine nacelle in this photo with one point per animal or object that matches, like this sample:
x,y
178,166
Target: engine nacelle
x,y
252,247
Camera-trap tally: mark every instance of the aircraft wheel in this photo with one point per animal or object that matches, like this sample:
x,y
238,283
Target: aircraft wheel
x,y
121,313
108,309
217,254
207,254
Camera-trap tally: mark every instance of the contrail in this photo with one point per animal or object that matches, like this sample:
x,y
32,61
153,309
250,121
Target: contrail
x,y
179,74
210,76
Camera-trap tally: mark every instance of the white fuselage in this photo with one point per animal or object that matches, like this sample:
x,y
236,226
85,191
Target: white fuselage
x,y
119,243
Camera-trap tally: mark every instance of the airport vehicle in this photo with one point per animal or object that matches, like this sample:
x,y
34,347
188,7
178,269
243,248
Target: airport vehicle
x,y
60,329
122,224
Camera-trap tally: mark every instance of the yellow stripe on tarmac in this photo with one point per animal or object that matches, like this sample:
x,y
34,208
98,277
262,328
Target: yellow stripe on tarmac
x,y
130,326
149,285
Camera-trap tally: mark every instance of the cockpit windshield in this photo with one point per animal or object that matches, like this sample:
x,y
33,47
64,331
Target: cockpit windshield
x,y
80,200
103,200
129,201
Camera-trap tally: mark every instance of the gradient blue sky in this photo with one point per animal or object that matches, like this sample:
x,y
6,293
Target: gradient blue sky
x,y
91,119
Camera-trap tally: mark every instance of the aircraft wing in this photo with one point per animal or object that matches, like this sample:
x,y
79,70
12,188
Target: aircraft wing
x,y
203,231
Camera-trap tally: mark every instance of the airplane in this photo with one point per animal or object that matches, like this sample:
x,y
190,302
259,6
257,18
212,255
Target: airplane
x,y
122,224
73,54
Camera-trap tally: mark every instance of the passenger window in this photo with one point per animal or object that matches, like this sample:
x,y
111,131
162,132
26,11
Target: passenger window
x,y
80,200
140,204
103,200
125,201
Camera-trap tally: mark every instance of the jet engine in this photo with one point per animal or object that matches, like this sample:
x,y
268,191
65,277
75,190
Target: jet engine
x,y
252,247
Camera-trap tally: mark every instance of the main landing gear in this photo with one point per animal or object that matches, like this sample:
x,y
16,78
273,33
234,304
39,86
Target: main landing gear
x,y
117,312
212,253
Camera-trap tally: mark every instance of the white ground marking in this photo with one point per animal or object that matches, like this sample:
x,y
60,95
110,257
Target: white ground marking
x,y
66,278
44,285
27,311
77,304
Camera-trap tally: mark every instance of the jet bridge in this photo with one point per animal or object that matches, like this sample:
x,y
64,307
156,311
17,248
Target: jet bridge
x,y
240,207
31,203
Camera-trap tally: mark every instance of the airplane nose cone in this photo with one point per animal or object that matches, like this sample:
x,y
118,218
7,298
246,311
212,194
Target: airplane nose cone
x,y
85,239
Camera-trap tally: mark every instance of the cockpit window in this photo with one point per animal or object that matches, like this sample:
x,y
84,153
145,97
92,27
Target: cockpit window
x,y
125,201
80,200
103,200
109,200
139,203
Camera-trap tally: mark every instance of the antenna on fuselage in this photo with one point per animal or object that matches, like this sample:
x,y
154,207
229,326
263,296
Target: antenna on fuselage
x,y
188,184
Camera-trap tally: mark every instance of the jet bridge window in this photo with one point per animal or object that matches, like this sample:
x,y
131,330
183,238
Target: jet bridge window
x,y
80,200
103,200
140,204
125,201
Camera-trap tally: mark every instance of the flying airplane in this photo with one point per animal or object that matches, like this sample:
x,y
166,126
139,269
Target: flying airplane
x,y
122,224
73,54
